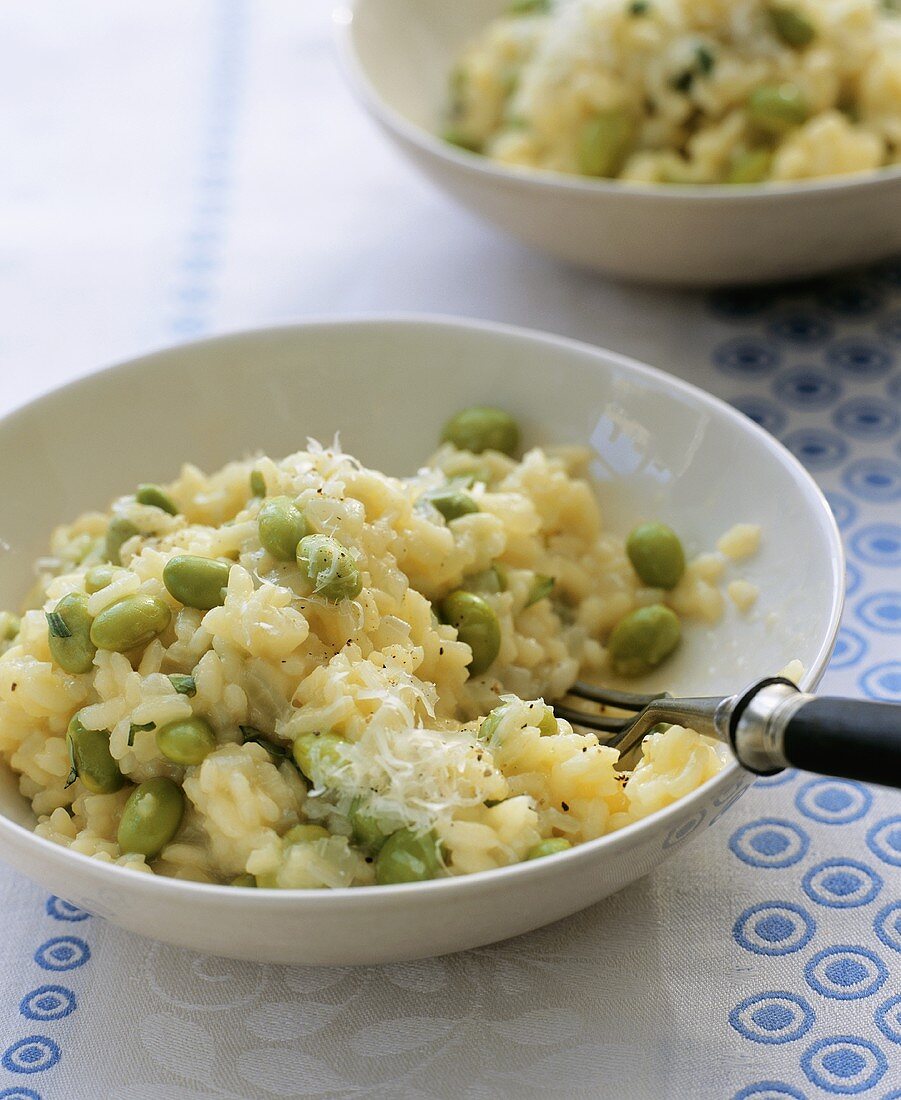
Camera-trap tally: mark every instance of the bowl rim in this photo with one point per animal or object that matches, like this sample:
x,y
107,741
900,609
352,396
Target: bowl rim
x,y
461,884
344,15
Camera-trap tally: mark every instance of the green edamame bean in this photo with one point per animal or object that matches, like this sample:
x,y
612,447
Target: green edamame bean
x,y
92,761
754,166
186,741
656,555
157,497
604,142
281,526
99,577
368,831
482,428
118,532
407,856
452,503
130,622
477,626
151,817
10,625
320,757
792,27
776,108
549,847
196,582
330,567
69,634
643,639
301,834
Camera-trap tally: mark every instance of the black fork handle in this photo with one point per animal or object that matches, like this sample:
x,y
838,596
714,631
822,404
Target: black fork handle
x,y
774,725
848,738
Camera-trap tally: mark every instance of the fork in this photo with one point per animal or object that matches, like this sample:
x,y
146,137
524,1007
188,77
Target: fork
x,y
769,726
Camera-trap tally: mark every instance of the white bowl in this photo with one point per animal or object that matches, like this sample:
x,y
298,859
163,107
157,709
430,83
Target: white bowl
x,y
663,449
398,54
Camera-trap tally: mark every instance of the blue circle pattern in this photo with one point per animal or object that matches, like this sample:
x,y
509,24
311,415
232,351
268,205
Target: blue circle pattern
x,y
747,356
888,1018
887,926
884,840
845,973
33,1054
806,388
818,448
843,508
762,411
770,842
799,327
64,910
832,393
19,1094
841,884
769,1090
849,299
878,544
774,928
877,480
866,418
883,682
881,611
62,953
853,578
833,801
772,1018
850,649
860,358
48,1002
844,1064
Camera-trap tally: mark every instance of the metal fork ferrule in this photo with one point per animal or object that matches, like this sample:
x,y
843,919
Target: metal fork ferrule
x,y
758,737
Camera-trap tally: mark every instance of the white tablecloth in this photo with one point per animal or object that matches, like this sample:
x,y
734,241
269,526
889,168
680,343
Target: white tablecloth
x,y
187,167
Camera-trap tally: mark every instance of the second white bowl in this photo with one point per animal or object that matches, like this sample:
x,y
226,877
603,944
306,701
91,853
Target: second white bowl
x,y
398,54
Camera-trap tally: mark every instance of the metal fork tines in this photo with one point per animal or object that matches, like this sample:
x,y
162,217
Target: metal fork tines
x,y
644,712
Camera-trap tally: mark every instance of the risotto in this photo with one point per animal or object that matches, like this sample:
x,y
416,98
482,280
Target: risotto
x,y
685,91
305,673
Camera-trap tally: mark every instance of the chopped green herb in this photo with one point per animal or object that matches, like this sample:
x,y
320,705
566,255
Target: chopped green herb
x,y
638,7
542,586
73,767
136,728
254,736
57,625
705,59
184,685
683,81
257,484
529,7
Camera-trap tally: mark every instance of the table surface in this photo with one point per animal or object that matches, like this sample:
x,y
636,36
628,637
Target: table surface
x,y
189,167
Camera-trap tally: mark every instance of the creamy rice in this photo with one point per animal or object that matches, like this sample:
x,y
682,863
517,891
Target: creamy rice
x,y
682,91
276,661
